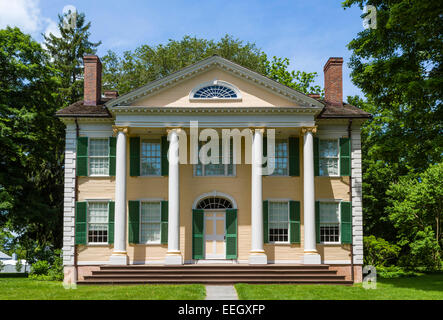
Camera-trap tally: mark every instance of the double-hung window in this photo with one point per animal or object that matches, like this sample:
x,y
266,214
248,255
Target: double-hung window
x,y
278,221
98,156
216,169
281,158
98,222
150,222
329,222
150,157
329,157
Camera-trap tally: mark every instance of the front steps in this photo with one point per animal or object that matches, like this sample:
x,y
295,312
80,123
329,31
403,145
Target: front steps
x,y
215,274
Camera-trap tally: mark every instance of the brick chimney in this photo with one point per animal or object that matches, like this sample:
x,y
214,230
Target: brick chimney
x,y
334,81
92,80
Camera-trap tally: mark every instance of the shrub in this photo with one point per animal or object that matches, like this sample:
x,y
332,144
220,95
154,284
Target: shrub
x,y
2,266
43,270
393,272
40,268
18,266
379,252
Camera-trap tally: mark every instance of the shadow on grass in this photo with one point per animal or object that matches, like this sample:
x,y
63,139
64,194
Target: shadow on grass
x,y
13,275
426,282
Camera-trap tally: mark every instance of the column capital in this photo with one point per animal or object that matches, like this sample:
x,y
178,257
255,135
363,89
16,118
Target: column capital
x,y
309,129
177,129
258,129
116,129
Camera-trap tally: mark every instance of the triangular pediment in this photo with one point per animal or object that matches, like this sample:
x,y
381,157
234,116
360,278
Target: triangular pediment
x,y
255,90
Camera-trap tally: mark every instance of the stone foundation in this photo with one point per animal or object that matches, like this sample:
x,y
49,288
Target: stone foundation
x,y
86,271
345,270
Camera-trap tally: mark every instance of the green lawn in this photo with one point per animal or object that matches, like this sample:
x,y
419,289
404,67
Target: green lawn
x,y
26,289
428,287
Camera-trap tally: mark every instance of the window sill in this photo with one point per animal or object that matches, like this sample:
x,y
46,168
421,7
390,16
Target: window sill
x,y
330,243
280,243
98,245
215,176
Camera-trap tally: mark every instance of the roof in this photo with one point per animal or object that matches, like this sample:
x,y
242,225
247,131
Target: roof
x,y
78,109
347,111
329,111
4,256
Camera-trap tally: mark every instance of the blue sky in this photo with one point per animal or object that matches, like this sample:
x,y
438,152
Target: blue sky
x,y
306,32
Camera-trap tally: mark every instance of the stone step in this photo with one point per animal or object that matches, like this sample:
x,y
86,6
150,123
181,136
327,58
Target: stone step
x,y
213,281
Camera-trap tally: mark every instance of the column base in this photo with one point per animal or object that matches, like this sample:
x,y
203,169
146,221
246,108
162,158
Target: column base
x,y
311,258
118,259
173,259
258,258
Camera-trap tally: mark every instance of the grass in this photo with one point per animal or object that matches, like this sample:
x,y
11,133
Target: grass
x,y
425,287
27,289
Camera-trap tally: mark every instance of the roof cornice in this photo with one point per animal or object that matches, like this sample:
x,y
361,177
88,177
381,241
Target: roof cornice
x,y
205,65
314,110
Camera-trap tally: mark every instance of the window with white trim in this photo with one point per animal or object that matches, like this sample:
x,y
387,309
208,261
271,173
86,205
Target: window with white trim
x,y
150,222
329,222
98,156
213,169
278,221
98,222
329,157
281,158
150,158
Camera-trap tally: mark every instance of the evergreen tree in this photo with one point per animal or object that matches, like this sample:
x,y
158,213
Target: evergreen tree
x,y
67,52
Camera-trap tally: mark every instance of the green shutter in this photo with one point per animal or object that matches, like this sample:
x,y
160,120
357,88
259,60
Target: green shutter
x,y
164,155
294,221
346,222
111,214
345,157
164,222
265,222
81,209
134,156
82,156
197,234
112,144
316,157
317,221
265,151
134,222
294,157
231,233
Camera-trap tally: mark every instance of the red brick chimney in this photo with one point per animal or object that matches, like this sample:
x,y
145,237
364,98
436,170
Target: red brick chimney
x,y
92,80
334,81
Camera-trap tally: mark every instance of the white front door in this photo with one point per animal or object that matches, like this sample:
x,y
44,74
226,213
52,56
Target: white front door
x,y
215,234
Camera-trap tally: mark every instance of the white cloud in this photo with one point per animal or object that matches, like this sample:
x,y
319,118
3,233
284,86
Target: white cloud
x,y
26,15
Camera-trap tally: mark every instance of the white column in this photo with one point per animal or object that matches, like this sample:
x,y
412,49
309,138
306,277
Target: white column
x,y
257,254
173,256
119,255
311,255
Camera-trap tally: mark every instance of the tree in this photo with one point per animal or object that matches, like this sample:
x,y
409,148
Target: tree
x,y
302,81
416,206
67,52
31,141
398,66
149,63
